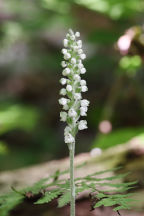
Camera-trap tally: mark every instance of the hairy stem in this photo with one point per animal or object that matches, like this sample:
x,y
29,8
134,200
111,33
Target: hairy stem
x,y
72,183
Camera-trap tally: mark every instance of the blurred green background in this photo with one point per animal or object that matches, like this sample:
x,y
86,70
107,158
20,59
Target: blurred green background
x,y
31,34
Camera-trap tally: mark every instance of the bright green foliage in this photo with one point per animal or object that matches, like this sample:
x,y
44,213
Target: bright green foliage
x,y
116,137
105,189
17,116
130,64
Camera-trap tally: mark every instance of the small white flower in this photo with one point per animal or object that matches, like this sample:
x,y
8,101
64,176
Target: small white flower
x,y
66,71
73,61
64,51
67,35
63,81
77,34
80,66
82,125
63,116
72,37
63,91
65,42
67,130
77,96
72,113
83,82
63,64
80,51
84,103
83,111
77,77
63,101
79,43
83,56
67,56
69,88
83,70
69,138
66,107
75,48
84,88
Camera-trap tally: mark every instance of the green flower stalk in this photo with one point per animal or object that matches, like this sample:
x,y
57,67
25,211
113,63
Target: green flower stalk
x,y
73,105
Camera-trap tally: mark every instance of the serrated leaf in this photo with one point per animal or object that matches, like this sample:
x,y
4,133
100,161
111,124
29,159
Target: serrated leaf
x,y
105,202
48,197
64,199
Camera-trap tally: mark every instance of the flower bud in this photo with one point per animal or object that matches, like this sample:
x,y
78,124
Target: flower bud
x,y
63,116
69,88
82,125
65,42
63,101
63,81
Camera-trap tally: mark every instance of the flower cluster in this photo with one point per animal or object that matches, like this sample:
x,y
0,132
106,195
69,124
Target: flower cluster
x,y
73,104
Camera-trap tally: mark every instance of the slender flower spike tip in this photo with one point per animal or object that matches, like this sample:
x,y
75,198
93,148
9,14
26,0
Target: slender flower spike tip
x,y
73,105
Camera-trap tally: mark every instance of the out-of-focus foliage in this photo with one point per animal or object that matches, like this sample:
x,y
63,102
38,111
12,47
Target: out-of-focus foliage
x,y
130,64
3,148
116,137
115,9
17,117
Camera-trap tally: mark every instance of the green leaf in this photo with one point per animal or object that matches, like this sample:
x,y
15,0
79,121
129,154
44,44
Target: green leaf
x,y
64,199
48,197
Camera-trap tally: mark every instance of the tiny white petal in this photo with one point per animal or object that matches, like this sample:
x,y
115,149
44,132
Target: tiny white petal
x,y
69,138
65,42
80,65
72,37
67,130
79,42
67,56
63,91
82,125
63,64
83,111
63,81
66,71
80,51
83,56
77,96
75,48
73,61
63,116
84,88
80,61
83,82
84,103
83,70
69,88
63,101
77,34
72,113
65,107
64,51
77,77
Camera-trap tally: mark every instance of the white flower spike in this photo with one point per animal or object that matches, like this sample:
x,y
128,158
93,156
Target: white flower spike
x,y
74,105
